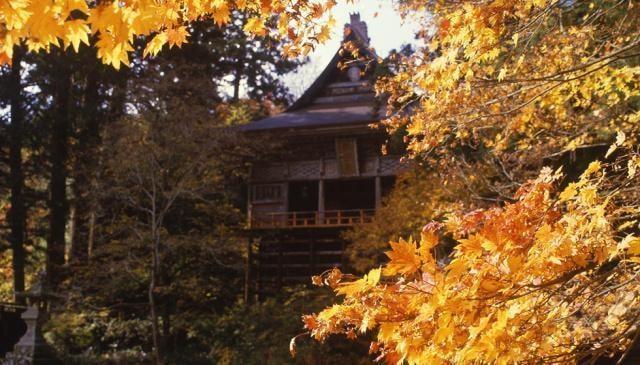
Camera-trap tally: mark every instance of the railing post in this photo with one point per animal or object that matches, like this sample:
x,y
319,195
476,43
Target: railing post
x,y
361,216
295,219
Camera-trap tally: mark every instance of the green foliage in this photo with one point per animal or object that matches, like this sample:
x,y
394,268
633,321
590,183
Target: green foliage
x,y
6,275
238,334
260,333
90,336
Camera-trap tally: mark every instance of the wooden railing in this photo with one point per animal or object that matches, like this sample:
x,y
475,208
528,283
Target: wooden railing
x,y
328,218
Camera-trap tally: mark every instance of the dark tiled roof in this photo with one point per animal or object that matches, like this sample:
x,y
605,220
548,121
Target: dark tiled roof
x,y
321,117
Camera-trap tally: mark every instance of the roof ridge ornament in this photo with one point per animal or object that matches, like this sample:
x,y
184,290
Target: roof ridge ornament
x,y
358,27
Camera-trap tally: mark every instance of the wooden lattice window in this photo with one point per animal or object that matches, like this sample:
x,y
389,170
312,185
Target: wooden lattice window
x,y
347,153
266,193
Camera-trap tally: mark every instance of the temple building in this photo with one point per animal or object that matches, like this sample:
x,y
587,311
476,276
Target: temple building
x,y
330,174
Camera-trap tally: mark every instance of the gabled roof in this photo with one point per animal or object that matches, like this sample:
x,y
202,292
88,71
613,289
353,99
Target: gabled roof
x,y
317,86
330,101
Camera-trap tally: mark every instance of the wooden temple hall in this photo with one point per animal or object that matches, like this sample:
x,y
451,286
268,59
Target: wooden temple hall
x,y
330,175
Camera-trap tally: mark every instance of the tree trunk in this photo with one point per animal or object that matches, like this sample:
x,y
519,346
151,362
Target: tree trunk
x,y
84,170
236,82
238,73
17,214
153,304
58,204
153,283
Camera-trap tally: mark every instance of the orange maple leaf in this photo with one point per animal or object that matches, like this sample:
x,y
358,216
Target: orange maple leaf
x,y
404,258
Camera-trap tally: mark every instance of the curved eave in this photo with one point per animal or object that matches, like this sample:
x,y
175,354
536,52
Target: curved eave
x,y
316,118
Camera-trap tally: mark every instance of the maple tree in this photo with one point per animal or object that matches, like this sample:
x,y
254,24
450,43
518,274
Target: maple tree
x,y
549,278
518,81
541,277
116,24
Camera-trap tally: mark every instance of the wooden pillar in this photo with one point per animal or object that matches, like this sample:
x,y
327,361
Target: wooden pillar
x,y
312,257
259,286
249,197
280,263
320,202
285,187
378,192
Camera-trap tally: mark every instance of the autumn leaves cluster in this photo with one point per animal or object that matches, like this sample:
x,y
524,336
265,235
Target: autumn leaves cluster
x,y
117,24
527,77
548,272
525,283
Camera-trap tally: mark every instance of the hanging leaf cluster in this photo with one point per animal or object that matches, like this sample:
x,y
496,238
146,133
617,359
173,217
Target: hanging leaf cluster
x,y
117,24
549,278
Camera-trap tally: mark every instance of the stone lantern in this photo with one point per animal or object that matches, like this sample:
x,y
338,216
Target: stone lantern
x,y
32,349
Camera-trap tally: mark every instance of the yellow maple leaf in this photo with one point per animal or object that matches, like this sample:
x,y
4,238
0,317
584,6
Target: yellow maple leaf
x,y
631,243
386,331
221,13
373,277
177,36
351,288
15,13
324,34
255,26
632,166
155,45
76,32
569,192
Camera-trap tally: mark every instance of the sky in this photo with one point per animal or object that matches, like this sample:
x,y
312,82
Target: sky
x,y
386,30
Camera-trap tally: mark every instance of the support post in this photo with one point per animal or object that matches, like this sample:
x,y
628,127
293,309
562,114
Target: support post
x,y
320,202
312,257
280,264
378,189
249,206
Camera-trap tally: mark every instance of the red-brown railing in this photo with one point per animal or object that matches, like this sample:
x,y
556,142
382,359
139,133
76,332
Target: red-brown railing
x,y
328,218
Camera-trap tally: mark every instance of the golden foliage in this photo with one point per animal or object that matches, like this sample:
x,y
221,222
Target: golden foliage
x,y
550,277
547,278
41,24
527,79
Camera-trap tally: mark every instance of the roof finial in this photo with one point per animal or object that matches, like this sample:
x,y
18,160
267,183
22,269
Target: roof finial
x,y
358,27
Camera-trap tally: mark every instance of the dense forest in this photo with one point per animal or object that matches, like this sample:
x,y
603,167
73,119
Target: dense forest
x,y
511,238
124,186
